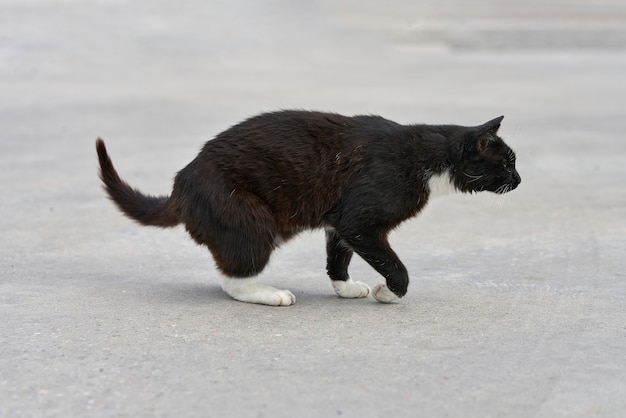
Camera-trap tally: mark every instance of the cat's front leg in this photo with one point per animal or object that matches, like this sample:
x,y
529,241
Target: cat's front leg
x,y
374,248
350,289
382,294
339,255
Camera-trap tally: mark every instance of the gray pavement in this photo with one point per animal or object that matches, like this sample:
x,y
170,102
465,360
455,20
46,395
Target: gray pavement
x,y
517,304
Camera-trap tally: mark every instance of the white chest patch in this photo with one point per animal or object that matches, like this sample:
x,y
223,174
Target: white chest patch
x,y
441,185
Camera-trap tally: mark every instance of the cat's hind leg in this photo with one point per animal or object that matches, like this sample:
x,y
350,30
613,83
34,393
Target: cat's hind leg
x,y
248,290
243,253
339,255
239,230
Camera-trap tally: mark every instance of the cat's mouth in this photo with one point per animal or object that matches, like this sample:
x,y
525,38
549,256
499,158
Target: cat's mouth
x,y
511,185
505,188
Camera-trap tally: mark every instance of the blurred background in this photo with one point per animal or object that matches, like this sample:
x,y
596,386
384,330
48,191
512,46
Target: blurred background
x,y
516,307
192,68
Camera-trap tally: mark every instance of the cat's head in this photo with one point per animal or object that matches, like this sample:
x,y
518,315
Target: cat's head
x,y
486,163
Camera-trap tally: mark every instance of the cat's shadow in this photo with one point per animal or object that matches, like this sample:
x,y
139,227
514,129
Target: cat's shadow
x,y
190,293
211,294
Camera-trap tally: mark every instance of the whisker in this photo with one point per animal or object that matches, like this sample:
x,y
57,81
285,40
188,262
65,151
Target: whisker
x,y
500,201
472,177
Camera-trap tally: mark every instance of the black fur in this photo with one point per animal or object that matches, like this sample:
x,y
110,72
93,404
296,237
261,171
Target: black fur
x,y
264,180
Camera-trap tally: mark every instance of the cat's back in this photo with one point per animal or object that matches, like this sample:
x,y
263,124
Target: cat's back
x,y
294,136
287,126
300,139
303,148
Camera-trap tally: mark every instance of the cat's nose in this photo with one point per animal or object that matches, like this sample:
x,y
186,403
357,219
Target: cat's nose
x,y
516,180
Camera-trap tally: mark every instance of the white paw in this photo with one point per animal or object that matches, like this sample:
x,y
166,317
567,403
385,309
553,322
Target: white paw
x,y
247,290
350,289
382,294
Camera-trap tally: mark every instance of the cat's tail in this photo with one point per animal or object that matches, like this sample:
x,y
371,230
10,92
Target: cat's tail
x,y
147,210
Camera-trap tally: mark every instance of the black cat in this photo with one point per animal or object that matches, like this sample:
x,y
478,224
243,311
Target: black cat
x,y
262,181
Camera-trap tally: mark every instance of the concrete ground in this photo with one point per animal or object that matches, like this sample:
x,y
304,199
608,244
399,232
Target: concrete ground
x,y
517,304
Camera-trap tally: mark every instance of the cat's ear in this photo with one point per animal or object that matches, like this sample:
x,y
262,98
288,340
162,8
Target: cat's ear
x,y
486,133
492,126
